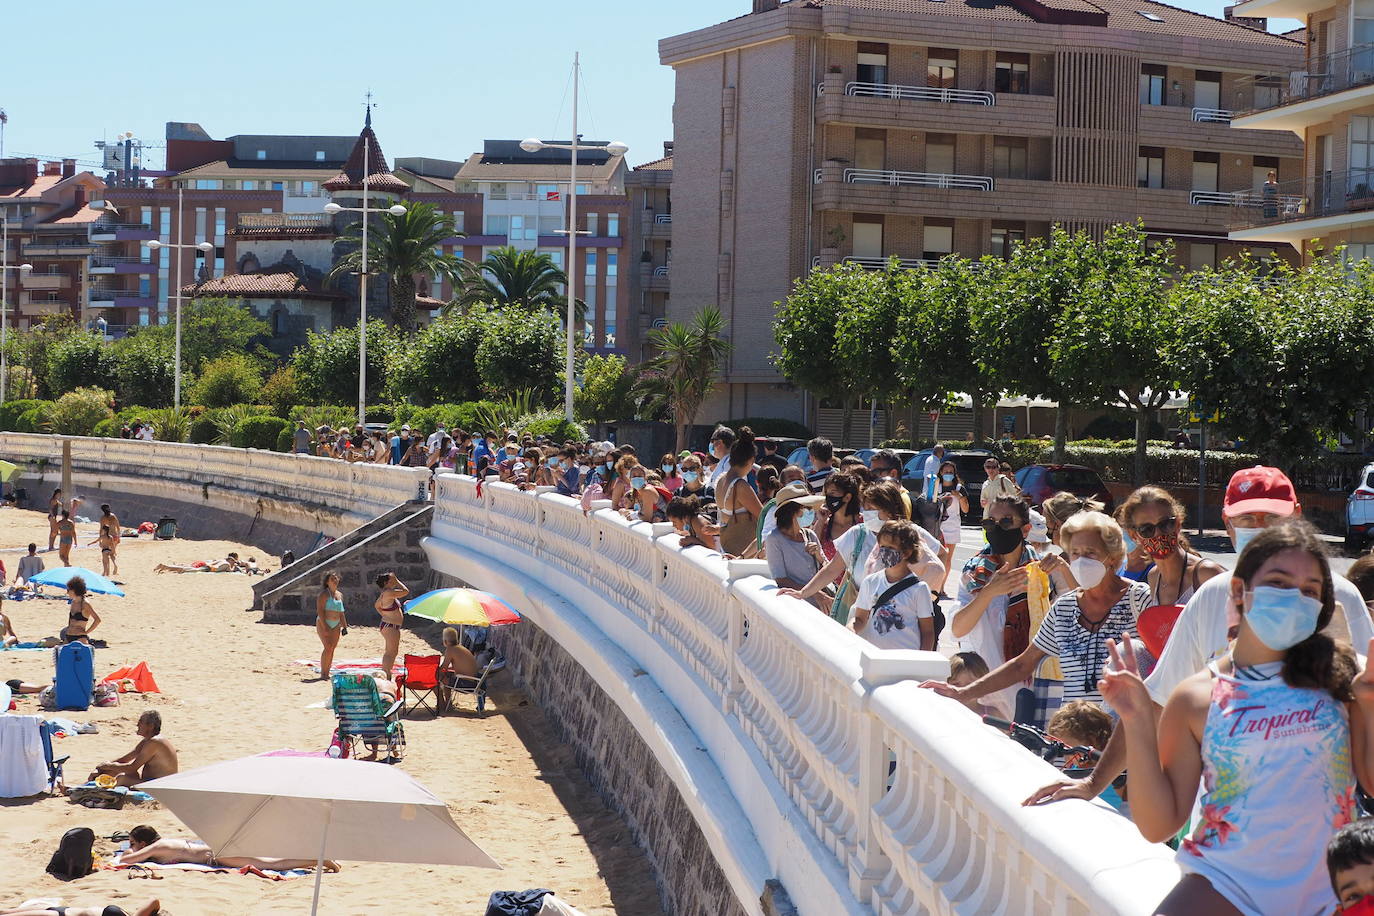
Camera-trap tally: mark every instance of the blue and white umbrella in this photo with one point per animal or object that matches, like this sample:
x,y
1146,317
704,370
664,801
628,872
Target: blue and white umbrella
x,y
95,582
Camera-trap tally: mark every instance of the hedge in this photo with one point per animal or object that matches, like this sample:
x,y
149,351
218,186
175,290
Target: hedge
x,y
11,411
258,432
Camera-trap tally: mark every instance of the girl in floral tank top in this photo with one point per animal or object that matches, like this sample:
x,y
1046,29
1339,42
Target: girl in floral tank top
x,y
1277,731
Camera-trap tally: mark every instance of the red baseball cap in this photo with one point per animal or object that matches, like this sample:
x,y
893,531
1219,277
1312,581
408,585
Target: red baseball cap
x,y
1259,489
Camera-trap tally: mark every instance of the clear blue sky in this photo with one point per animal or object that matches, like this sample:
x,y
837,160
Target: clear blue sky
x,y
445,75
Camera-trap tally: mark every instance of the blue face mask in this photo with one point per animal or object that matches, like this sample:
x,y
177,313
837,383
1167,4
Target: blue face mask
x,y
1244,536
606,467
947,478
808,518
690,476
667,469
1128,543
552,462
1282,617
637,483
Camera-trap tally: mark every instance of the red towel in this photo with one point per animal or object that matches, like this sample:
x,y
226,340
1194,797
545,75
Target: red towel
x,y
139,674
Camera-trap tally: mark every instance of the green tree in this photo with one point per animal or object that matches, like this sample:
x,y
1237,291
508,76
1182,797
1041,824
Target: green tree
x,y
403,246
1109,335
281,391
81,361
29,349
804,329
145,370
511,278
211,327
77,412
327,364
677,381
607,390
438,364
519,349
234,378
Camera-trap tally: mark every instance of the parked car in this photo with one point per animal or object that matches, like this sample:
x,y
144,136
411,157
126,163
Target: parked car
x,y
803,461
1359,513
969,463
786,444
866,455
1041,481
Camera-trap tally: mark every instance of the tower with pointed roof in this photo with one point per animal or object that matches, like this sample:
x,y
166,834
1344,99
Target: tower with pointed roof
x,y
378,178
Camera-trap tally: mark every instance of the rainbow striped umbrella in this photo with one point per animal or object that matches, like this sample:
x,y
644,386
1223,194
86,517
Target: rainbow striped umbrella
x,y
462,607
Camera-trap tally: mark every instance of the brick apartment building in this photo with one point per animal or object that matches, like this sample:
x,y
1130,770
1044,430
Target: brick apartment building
x,y
1327,99
525,205
49,226
649,190
815,131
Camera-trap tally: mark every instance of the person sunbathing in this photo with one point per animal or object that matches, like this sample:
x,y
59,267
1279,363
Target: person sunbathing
x,y
17,687
229,564
152,758
7,637
151,908
145,845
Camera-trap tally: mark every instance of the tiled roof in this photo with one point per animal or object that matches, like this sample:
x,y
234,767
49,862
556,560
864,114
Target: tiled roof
x,y
429,302
75,216
475,169
1120,14
419,182
274,285
40,185
378,178
658,165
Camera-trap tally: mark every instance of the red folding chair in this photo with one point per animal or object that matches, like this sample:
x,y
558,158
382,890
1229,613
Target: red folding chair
x,y
421,682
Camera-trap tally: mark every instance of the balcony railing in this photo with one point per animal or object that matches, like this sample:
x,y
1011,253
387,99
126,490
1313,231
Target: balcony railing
x,y
663,218
284,220
112,261
661,271
106,294
916,93
1327,194
61,246
881,263
1212,115
104,228
895,179
1323,76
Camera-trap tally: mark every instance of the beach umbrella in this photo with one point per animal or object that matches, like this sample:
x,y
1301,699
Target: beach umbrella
x,y
95,582
316,807
8,471
462,607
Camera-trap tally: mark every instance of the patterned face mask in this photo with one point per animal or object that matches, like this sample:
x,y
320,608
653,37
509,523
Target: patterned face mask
x,y
1161,545
887,556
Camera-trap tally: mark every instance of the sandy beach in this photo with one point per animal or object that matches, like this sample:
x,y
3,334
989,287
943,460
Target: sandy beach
x,y
230,689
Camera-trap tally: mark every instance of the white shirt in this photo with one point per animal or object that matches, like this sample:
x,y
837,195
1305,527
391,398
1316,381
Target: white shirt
x,y
722,466
931,474
435,438
931,571
1199,635
894,625
146,434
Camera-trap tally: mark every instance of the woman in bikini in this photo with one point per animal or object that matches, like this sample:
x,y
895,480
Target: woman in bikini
x,y
392,611
108,543
81,617
739,506
330,621
66,537
54,516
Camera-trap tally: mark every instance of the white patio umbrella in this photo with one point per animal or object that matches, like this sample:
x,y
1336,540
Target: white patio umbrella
x,y
298,807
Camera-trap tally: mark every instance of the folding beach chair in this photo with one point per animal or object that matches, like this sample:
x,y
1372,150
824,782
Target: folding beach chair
x,y
365,717
477,686
421,682
53,763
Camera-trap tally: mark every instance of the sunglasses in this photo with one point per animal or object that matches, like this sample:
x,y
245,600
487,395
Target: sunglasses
x,y
1006,523
1163,526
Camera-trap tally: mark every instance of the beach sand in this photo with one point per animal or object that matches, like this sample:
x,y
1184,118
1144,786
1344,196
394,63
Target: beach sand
x,y
230,689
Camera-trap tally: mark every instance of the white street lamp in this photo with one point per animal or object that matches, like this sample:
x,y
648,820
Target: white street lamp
x,y
332,209
154,245
616,148
4,301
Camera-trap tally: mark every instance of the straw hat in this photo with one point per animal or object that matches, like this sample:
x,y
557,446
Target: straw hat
x,y
798,492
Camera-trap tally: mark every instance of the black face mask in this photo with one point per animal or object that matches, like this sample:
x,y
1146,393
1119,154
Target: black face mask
x,y
833,503
1003,541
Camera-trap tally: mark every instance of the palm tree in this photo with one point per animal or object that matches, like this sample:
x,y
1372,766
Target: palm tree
x,y
677,381
403,247
510,277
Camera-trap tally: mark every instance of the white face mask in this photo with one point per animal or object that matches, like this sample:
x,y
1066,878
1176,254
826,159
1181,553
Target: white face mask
x,y
1087,571
871,520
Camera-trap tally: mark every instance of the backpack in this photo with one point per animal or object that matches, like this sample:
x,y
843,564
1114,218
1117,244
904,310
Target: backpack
x,y
73,858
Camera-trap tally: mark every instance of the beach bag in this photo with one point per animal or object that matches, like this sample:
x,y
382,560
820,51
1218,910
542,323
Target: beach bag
x,y
849,588
105,695
73,858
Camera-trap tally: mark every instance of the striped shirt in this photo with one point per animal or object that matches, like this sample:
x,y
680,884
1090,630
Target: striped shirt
x,y
1082,652
816,479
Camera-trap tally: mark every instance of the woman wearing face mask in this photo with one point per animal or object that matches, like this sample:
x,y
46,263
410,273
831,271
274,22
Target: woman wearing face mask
x,y
1078,625
840,512
669,466
1277,731
694,481
953,502
740,506
1156,519
855,548
622,494
649,503
792,549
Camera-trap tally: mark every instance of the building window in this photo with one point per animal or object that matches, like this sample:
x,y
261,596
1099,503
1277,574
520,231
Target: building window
x,y
1005,236
1149,167
1013,73
308,188
458,220
1009,157
517,228
546,191
209,184
497,224
582,189
592,220
1355,252
319,155
942,68
939,239
613,225
1201,254
872,62
1260,169
868,235
1205,168
612,264
870,149
1207,89
219,227
1361,154
556,256
591,263
277,186
249,185
1152,78
262,154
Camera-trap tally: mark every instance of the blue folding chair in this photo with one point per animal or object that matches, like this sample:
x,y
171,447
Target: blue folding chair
x,y
364,716
46,729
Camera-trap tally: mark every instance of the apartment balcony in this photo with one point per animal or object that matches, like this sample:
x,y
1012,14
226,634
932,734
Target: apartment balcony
x,y
45,281
1305,208
658,225
653,279
283,225
1178,127
1337,83
62,247
110,294
897,179
1279,9
119,232
890,191
43,303
122,264
912,107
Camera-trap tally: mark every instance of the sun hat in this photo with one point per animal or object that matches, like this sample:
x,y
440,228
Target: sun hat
x,y
1259,489
798,492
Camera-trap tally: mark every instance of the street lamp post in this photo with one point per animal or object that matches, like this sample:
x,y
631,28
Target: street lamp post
x,y
4,299
154,244
534,145
395,210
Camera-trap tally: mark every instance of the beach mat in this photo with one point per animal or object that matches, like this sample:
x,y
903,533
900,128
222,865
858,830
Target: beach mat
x,y
353,666
271,874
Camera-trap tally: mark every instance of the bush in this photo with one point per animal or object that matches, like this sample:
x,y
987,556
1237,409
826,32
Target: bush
x,y
10,411
520,350
435,366
281,391
258,432
327,364
1119,425
1022,452
203,430
81,361
145,370
77,412
108,428
552,423
771,426
35,419
326,415
234,378
285,442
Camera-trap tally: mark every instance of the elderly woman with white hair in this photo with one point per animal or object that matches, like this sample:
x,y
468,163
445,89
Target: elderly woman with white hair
x,y
1104,606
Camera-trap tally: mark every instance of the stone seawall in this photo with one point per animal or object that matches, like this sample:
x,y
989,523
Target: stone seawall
x,y
620,767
